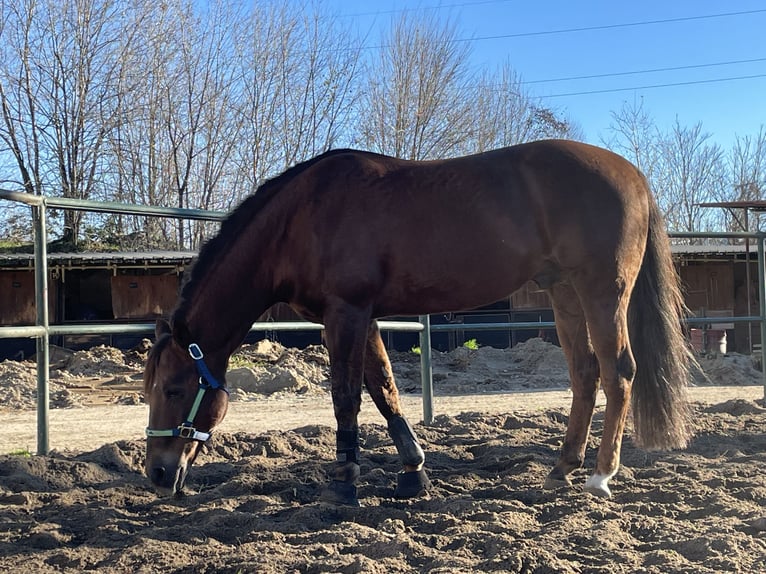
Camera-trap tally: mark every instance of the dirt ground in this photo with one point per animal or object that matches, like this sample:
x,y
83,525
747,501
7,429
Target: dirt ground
x,y
252,502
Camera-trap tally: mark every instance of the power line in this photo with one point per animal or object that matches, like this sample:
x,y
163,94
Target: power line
x,y
647,71
596,28
653,86
613,26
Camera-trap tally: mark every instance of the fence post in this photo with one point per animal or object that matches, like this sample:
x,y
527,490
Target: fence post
x,y
43,341
426,370
762,306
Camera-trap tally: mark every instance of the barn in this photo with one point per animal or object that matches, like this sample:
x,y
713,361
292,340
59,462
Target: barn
x,y
89,288
720,281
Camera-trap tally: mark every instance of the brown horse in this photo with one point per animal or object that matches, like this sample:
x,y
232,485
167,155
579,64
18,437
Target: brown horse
x,y
350,236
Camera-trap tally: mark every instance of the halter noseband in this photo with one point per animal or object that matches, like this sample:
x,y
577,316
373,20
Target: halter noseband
x,y
206,381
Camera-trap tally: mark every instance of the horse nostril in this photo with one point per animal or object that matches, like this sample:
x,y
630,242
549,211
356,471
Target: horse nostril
x,y
158,473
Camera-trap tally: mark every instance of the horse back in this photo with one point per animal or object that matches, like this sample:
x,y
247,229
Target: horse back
x,y
428,236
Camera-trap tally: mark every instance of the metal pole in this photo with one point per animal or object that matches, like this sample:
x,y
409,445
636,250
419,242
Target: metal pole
x,y
426,370
748,280
43,341
762,308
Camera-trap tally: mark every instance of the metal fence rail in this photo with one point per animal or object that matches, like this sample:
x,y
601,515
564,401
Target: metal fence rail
x,y
43,330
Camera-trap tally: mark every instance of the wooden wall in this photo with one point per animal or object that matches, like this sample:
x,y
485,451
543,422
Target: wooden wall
x,y
17,298
709,286
143,296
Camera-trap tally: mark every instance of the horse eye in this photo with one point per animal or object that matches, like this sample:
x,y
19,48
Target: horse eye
x,y
174,393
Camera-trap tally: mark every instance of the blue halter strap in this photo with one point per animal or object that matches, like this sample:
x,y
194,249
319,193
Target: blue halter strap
x,y
206,381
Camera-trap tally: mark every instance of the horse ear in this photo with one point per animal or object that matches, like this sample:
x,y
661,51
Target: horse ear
x,y
181,334
161,327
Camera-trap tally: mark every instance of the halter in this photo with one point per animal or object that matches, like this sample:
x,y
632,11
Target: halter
x,y
206,381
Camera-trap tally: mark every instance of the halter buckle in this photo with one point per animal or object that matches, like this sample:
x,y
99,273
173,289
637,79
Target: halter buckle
x,y
186,431
195,352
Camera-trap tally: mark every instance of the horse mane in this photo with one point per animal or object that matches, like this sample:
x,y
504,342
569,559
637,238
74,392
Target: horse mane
x,y
232,226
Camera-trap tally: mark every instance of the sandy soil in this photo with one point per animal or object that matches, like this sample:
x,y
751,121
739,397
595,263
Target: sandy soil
x,y
252,503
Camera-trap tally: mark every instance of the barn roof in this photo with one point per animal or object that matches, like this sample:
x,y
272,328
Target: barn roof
x,y
172,258
753,205
713,249
100,259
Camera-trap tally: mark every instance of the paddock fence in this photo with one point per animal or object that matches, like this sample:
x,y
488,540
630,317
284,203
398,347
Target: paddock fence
x,y
42,330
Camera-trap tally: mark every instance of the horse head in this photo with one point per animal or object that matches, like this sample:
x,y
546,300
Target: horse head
x,y
186,401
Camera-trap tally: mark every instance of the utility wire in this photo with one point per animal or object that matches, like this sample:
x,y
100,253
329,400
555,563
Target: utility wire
x,y
648,71
612,26
653,86
594,28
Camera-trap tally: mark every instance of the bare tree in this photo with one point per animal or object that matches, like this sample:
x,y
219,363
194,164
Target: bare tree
x,y
21,125
684,167
199,126
318,98
507,113
298,69
747,175
140,151
21,165
692,172
194,104
58,74
634,135
418,100
178,132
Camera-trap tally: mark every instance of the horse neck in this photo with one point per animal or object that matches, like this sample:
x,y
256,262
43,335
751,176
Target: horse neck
x,y
228,300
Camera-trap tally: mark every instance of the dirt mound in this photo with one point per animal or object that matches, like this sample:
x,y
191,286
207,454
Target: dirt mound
x,y
737,407
731,369
531,365
253,505
95,362
268,368
107,375
18,388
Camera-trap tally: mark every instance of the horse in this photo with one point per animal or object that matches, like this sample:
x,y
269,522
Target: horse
x,y
351,236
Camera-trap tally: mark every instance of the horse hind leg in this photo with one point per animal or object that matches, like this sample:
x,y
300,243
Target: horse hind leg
x,y
379,380
604,310
607,323
584,376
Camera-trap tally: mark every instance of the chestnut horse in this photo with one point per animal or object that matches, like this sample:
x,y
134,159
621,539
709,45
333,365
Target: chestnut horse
x,y
351,236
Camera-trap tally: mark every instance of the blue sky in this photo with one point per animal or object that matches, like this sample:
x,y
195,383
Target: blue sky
x,y
698,47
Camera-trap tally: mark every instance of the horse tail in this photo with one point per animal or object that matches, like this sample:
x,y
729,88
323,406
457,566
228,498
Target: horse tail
x,y
664,359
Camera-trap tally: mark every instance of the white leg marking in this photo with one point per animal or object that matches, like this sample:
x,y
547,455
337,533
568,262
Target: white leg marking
x,y
598,485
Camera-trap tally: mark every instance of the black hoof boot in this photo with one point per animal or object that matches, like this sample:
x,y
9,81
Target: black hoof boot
x,y
340,493
412,484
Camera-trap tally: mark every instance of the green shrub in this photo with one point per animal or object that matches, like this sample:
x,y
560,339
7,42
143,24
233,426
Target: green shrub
x,y
471,344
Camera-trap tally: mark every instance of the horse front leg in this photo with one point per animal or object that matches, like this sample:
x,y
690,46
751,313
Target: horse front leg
x,y
379,380
345,336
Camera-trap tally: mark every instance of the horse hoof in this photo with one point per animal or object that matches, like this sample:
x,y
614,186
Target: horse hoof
x,y
412,484
340,493
598,491
552,483
597,486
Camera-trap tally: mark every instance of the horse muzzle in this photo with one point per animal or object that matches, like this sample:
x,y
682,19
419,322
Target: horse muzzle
x,y
168,472
167,480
